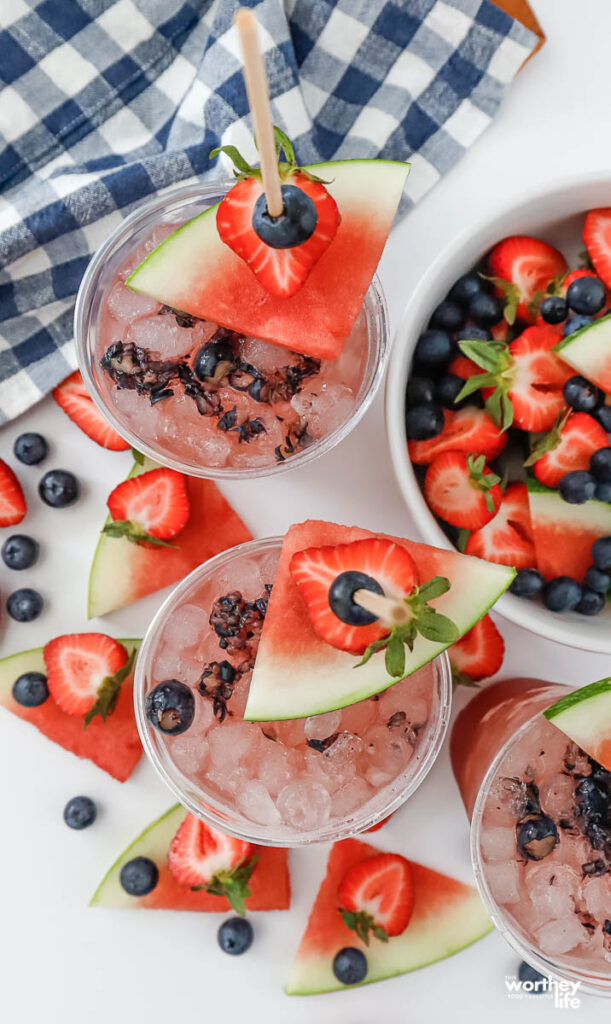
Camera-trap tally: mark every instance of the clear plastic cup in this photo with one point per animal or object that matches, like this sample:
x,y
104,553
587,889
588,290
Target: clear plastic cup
x,y
194,788
174,207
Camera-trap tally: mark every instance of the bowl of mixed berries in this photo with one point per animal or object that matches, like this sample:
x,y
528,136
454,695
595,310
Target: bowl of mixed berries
x,y
499,408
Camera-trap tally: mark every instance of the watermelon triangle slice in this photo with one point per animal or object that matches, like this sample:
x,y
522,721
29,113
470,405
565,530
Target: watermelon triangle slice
x,y
123,572
113,745
447,916
589,352
297,674
194,271
269,882
563,534
585,717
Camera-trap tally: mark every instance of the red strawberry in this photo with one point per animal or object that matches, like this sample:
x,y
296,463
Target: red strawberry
x,y
462,490
377,895
568,446
374,828
597,238
507,538
468,430
574,276
77,664
315,569
463,367
12,501
154,505
500,331
529,265
72,396
479,653
202,857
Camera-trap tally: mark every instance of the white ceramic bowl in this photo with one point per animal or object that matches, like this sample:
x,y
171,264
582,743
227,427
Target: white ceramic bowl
x,y
555,214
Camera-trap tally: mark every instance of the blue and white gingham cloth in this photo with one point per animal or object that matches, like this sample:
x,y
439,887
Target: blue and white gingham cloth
x,y
105,102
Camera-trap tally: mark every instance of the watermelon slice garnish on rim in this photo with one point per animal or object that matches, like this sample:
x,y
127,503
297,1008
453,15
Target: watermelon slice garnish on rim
x,y
585,717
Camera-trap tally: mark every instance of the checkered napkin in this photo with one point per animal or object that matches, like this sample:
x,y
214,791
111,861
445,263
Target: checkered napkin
x,y
105,102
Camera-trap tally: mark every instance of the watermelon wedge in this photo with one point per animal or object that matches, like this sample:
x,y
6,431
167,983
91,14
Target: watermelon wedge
x,y
563,534
297,674
269,882
194,271
589,352
447,916
585,716
123,572
113,745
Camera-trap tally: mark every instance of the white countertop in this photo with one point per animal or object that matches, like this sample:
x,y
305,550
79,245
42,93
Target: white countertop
x,y
65,962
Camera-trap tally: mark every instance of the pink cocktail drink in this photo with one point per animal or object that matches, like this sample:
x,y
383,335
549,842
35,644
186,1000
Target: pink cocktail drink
x,y
541,830
285,782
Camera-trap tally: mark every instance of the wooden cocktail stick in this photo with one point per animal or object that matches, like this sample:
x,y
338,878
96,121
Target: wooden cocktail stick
x,y
387,608
258,99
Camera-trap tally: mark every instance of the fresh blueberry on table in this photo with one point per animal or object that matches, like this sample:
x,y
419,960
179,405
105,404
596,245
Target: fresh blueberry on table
x,y
586,295
554,309
24,605
581,394
350,965
527,583
139,876
423,421
30,689
31,449
59,488
235,936
575,323
448,316
577,487
19,551
433,350
80,812
562,594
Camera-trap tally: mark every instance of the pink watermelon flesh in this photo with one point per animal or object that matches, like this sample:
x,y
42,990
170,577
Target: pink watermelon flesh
x,y
563,534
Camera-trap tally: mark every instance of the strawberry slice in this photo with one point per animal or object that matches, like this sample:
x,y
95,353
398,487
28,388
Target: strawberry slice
x,y
149,508
85,672
597,239
462,489
377,895
507,539
568,446
281,267
478,654
467,430
72,396
203,858
12,501
523,266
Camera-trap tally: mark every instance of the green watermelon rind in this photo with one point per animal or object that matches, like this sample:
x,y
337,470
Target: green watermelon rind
x,y
584,715
583,695
32,661
591,512
580,342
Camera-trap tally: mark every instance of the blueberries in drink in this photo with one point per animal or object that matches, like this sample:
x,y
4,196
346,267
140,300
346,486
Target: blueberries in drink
x,y
80,812
170,707
59,488
420,390
466,288
486,309
562,594
580,394
31,449
527,583
215,358
30,689
554,309
350,965
433,350
423,421
19,551
586,295
448,316
24,605
592,800
139,876
577,487
536,836
235,936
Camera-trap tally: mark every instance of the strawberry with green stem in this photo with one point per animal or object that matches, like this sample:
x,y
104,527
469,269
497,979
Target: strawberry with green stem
x,y
149,508
478,654
85,673
203,857
376,896
522,268
568,446
462,489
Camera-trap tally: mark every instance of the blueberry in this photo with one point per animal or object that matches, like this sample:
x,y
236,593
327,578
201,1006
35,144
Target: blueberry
x,y
527,583
474,333
562,594
235,936
420,390
340,597
601,554
24,605
80,812
592,800
486,309
448,316
139,876
19,551
350,965
554,309
596,580
586,295
210,357
433,350
580,394
424,421
575,324
467,286
30,689
577,487
536,836
539,981
31,449
448,389
600,464
170,707
293,226
603,416
59,488
603,491
592,603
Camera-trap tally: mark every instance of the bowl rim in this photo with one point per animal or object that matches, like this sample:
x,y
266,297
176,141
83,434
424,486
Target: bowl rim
x,y
564,628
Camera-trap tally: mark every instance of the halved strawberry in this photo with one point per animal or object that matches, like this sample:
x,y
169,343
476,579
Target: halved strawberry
x,y
77,666
463,367
202,857
282,270
12,501
524,266
597,239
569,445
574,276
151,507
507,538
72,396
377,895
478,654
462,490
467,430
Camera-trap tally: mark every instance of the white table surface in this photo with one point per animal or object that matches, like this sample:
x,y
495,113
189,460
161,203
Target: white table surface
x,y
62,961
